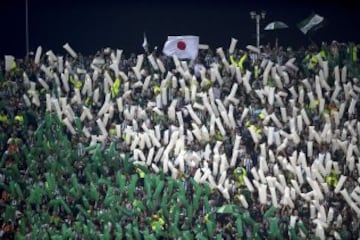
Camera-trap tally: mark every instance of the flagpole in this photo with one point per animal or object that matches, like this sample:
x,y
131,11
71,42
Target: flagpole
x,y
27,28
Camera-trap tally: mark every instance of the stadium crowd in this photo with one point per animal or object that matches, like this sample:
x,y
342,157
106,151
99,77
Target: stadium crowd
x,y
244,144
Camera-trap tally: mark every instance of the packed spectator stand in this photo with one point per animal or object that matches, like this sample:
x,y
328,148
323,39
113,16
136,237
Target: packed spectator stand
x,y
242,144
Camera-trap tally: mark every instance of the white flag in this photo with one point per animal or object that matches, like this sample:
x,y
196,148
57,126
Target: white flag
x,y
313,22
145,44
182,46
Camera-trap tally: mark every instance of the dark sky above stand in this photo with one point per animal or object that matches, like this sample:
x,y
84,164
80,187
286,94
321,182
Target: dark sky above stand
x,y
91,25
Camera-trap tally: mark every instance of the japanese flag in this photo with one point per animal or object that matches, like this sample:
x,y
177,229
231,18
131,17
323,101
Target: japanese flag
x,y
182,46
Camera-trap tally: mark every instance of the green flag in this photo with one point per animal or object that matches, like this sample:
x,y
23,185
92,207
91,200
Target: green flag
x,y
210,228
132,187
239,226
175,214
302,227
121,181
158,189
50,183
118,232
136,232
128,231
228,208
36,195
147,185
274,231
93,193
270,212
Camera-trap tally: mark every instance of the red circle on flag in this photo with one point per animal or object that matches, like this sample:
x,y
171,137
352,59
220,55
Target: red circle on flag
x,y
181,45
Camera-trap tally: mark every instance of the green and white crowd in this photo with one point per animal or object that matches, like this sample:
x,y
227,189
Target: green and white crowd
x,y
242,144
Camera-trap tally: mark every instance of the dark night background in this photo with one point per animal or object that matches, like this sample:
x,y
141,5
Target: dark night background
x,y
91,25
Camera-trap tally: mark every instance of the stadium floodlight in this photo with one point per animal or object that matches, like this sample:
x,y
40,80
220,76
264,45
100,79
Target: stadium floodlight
x,y
258,17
